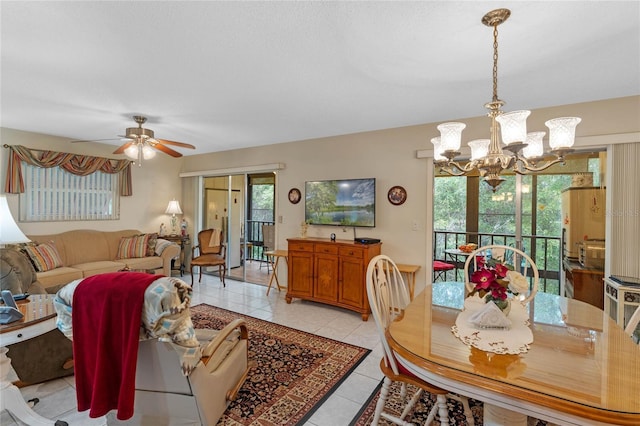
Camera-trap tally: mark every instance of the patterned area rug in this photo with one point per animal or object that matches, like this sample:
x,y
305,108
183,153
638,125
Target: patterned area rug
x,y
292,372
421,410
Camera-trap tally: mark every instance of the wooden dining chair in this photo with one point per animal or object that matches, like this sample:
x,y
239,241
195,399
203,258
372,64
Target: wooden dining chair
x,y
388,296
512,256
211,251
269,244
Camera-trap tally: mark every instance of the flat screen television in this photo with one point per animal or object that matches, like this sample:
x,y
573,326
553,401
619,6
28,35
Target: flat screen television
x,y
343,202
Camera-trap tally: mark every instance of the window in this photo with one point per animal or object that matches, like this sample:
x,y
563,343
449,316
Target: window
x,y
53,194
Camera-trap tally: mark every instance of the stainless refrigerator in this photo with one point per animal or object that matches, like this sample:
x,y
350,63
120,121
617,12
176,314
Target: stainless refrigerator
x,y
583,218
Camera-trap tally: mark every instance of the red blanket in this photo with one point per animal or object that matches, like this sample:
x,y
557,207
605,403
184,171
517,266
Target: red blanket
x,y
106,319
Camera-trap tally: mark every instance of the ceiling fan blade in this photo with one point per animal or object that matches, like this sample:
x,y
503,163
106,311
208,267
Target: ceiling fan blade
x,y
122,148
167,150
180,144
97,140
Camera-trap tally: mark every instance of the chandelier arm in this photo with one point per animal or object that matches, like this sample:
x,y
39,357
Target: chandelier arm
x,y
466,168
530,167
448,170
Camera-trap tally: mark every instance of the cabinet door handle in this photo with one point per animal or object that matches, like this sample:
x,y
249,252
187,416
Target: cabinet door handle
x,y
351,253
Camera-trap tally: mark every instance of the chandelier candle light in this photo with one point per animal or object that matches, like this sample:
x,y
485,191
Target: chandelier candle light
x,y
173,209
524,150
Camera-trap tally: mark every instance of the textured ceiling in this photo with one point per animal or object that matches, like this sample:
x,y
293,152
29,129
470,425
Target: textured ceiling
x,y
225,75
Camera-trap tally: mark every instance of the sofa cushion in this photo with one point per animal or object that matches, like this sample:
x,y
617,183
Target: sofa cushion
x,y
134,246
45,256
142,263
98,267
54,279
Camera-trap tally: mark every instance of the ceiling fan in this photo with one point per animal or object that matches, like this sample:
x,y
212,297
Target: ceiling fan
x,y
141,143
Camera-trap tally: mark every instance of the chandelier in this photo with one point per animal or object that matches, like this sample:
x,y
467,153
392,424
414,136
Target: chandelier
x,y
514,148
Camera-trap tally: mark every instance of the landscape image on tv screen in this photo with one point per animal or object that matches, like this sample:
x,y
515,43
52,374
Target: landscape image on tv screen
x,y
346,202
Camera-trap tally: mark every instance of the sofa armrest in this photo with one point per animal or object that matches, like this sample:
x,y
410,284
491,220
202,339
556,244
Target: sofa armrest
x,y
169,252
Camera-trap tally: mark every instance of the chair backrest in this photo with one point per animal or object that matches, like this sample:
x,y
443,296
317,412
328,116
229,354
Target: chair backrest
x,y
269,237
512,256
632,328
388,297
210,241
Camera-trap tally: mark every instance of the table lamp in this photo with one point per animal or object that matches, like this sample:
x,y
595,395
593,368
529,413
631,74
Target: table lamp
x,y
173,209
9,231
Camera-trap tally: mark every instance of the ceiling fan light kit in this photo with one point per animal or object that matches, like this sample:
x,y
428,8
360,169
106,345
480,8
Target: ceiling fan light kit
x,y
141,144
522,151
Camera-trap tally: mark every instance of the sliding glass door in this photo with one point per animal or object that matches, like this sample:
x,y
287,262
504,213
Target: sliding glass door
x,y
240,205
223,208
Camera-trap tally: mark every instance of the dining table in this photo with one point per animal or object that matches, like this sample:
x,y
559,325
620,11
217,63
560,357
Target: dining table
x,y
580,369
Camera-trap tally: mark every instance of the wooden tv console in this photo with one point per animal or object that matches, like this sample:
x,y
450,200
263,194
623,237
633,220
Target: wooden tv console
x,y
331,272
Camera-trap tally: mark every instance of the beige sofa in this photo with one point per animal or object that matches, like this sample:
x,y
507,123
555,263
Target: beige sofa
x,y
88,252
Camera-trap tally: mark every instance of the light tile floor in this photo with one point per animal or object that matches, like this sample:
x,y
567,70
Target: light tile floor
x,y
57,397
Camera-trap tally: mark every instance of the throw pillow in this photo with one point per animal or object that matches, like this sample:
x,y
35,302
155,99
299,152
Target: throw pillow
x,y
45,256
151,244
133,247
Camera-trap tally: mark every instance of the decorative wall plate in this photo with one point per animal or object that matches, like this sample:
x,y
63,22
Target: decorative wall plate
x,y
294,195
397,195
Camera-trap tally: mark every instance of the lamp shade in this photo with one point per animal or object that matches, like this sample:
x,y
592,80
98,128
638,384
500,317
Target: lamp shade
x,y
173,207
479,148
9,231
132,152
451,135
562,132
513,126
437,149
534,146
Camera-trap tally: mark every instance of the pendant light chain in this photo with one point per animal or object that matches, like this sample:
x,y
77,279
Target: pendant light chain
x,y
495,63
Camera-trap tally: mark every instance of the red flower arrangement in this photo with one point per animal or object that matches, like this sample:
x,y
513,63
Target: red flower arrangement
x,y
495,280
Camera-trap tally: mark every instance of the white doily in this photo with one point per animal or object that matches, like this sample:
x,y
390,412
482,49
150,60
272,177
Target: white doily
x,y
515,340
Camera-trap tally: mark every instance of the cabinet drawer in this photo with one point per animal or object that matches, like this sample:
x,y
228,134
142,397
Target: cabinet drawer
x,y
307,247
351,252
326,248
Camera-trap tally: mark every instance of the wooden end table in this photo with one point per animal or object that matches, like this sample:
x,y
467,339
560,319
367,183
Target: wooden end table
x,y
277,254
182,241
39,318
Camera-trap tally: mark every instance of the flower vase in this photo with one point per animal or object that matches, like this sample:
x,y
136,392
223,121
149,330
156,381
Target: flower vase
x,y
504,305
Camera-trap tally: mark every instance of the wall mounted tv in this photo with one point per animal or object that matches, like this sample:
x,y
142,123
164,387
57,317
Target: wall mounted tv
x,y
345,202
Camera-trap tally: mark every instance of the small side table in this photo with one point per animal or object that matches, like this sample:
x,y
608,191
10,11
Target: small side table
x,y
620,300
39,318
182,241
453,256
277,254
410,270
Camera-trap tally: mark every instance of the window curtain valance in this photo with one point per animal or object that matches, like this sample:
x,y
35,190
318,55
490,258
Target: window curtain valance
x,y
81,165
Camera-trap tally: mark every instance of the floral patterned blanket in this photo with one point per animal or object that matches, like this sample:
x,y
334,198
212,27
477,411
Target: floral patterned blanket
x,y
165,316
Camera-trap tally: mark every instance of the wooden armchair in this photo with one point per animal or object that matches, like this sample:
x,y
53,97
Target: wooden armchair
x,y
211,252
